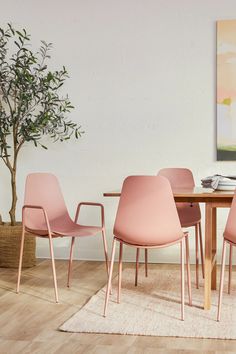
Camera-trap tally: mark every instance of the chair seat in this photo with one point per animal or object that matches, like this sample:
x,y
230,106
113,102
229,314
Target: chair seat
x,y
78,230
151,245
229,237
74,230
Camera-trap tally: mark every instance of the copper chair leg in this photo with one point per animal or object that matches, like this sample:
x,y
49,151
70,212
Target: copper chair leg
x,y
110,277
188,271
197,257
105,250
53,267
137,266
230,267
120,272
182,278
221,280
146,262
70,261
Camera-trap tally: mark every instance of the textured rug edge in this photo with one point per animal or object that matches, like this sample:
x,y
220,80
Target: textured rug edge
x,y
62,328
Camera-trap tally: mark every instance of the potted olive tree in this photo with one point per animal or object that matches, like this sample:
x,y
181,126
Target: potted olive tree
x,y
30,109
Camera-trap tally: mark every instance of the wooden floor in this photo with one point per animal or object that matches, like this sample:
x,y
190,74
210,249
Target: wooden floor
x,y
29,320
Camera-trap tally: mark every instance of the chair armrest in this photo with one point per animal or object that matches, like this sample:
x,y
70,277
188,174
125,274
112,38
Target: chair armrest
x,y
36,207
91,204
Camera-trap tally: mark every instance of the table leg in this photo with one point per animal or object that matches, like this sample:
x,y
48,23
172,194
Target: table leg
x,y
208,256
214,248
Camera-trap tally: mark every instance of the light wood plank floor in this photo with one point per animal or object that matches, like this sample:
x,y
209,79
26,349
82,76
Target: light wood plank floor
x,y
29,321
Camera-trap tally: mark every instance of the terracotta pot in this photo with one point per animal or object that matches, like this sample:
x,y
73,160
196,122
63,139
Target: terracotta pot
x,y
10,239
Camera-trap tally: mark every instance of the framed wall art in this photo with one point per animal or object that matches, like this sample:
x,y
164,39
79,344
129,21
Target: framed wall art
x,y
226,90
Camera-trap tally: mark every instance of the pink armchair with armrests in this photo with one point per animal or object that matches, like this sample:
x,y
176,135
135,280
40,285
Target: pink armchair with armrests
x,y
44,214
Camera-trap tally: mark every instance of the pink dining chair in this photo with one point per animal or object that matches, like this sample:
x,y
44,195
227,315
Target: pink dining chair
x,y
189,214
147,218
229,236
44,214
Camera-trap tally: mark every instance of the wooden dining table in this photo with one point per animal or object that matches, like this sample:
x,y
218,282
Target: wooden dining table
x,y
212,200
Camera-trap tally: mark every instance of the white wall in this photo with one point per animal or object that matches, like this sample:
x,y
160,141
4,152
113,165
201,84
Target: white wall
x,y
143,84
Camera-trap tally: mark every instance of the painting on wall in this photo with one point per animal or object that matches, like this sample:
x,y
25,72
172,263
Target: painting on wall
x,y
226,90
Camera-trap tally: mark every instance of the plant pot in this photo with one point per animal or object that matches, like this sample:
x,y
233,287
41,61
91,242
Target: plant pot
x,y
10,240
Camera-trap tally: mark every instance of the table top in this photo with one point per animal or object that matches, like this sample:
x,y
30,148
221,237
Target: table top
x,y
197,194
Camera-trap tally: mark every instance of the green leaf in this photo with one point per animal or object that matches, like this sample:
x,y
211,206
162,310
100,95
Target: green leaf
x,y
17,44
19,33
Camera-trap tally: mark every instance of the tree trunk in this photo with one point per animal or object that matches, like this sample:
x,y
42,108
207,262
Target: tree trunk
x,y
12,211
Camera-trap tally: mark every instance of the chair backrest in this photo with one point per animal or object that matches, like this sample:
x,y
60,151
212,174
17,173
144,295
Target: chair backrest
x,y
178,177
147,213
43,189
189,214
230,228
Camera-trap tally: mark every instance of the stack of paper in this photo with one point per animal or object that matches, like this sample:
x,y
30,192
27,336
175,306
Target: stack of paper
x,y
219,182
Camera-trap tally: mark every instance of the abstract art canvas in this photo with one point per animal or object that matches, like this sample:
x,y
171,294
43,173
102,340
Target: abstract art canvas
x,y
226,90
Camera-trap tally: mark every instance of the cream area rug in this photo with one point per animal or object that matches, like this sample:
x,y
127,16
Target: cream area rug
x,y
153,308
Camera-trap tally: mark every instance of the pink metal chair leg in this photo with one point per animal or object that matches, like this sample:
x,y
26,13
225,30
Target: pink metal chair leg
x,y
197,258
53,267
120,272
146,262
105,250
70,261
110,277
137,266
230,267
182,278
20,259
201,249
221,280
106,254
188,271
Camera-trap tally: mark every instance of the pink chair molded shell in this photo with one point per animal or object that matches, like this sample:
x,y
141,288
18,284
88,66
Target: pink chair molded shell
x,y
181,178
139,218
147,218
189,213
45,214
